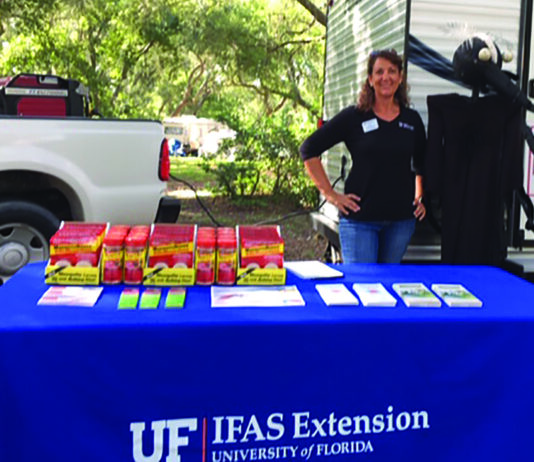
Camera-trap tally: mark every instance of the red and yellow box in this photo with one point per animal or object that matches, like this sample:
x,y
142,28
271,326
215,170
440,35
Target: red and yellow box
x,y
112,261
171,255
75,253
261,256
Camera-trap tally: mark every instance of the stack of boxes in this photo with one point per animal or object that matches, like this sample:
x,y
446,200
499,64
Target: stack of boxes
x,y
165,255
135,246
226,256
261,256
205,256
171,255
75,251
113,254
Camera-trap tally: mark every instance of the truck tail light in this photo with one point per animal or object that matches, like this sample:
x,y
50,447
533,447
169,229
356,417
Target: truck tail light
x,y
164,162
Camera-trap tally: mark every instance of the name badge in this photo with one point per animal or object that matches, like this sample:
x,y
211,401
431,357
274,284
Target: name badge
x,y
369,125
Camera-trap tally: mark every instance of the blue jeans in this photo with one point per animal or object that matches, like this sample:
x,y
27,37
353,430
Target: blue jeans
x,y
374,241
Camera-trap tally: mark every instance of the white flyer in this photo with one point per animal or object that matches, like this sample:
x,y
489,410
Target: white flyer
x,y
236,296
312,269
336,294
374,294
71,296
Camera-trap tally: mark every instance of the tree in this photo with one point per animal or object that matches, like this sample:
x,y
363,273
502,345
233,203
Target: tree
x,y
235,61
168,56
315,11
22,14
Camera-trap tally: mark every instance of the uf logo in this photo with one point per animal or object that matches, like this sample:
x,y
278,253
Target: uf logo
x,y
158,426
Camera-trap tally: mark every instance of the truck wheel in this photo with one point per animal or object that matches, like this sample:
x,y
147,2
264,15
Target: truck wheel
x,y
25,231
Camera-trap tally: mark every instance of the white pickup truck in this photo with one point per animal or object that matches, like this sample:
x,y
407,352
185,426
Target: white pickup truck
x,y
75,168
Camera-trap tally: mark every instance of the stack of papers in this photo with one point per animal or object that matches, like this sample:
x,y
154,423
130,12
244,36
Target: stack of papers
x,y
456,295
336,294
374,294
312,269
416,294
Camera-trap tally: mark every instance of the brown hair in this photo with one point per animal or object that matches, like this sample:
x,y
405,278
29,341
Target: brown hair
x,y
366,97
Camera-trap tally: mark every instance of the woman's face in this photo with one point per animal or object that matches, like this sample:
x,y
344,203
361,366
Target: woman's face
x,y
385,78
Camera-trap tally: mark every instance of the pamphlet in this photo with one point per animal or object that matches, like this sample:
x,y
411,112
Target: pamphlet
x,y
416,294
237,296
71,296
150,299
312,269
456,295
336,294
175,298
374,294
128,299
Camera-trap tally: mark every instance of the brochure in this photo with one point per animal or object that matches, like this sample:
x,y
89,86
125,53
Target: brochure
x,y
374,294
456,295
336,294
128,298
71,296
175,298
312,269
416,294
237,296
150,299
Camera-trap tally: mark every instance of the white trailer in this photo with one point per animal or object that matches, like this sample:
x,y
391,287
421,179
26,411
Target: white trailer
x,y
356,27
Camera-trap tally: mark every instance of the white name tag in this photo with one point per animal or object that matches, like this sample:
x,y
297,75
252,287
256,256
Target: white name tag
x,y
369,125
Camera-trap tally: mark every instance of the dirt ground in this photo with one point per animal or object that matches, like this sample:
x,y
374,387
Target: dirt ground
x,y
301,241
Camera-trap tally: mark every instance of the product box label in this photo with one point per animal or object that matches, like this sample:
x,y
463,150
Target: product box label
x,y
168,276
172,248
261,276
72,275
267,249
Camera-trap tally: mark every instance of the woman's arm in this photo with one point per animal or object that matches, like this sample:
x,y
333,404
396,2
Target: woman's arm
x,y
344,202
420,210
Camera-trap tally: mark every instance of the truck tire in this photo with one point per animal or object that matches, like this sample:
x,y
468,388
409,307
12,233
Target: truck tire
x,y
25,231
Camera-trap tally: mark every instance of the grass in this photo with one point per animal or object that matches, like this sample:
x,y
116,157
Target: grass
x,y
190,169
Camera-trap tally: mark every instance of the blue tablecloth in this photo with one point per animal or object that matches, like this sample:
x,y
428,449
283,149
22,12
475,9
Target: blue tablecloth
x,y
271,384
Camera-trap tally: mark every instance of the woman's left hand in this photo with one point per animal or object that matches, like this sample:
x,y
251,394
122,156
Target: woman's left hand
x,y
420,210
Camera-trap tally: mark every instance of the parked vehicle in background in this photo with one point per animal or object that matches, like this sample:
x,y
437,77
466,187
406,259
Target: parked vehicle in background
x,y
197,135
72,167
176,148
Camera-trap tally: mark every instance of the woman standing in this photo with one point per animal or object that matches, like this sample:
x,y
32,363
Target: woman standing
x,y
384,190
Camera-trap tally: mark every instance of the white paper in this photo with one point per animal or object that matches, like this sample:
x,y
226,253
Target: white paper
x,y
312,269
374,294
336,294
456,295
236,296
416,294
71,296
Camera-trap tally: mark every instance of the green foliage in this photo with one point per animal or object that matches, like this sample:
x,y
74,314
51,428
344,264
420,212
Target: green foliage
x,y
255,65
266,160
235,178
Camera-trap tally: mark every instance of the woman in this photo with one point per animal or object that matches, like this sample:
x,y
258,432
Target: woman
x,y
384,190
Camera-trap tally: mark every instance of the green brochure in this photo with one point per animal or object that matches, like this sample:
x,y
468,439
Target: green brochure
x,y
150,299
128,299
175,298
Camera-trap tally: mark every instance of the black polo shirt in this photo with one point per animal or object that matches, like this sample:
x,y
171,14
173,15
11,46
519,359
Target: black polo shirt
x,y
385,158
